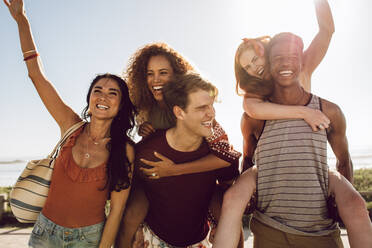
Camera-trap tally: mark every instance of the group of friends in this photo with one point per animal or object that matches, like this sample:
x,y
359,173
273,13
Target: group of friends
x,y
181,185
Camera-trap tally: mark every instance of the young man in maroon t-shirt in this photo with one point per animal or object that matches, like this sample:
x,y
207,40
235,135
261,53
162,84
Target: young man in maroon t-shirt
x,y
178,205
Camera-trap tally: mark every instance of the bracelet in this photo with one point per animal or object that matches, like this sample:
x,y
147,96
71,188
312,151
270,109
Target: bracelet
x,y
30,51
31,56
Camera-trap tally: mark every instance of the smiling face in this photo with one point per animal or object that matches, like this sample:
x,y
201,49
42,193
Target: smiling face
x,y
252,59
285,62
253,64
105,98
159,72
199,113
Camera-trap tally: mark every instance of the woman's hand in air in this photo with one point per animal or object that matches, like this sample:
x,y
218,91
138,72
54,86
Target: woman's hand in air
x,y
145,129
316,119
16,8
163,168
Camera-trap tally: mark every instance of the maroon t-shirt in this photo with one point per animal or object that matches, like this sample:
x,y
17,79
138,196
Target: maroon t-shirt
x,y
178,205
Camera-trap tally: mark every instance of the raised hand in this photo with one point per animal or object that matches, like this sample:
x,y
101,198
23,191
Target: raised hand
x,y
16,8
163,168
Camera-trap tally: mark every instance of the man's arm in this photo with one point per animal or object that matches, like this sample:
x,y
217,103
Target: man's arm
x,y
248,127
336,135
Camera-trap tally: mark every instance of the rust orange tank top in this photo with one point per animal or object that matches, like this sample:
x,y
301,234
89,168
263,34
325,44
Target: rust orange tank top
x,y
75,198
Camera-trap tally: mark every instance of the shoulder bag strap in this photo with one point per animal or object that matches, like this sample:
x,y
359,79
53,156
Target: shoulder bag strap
x,y
65,136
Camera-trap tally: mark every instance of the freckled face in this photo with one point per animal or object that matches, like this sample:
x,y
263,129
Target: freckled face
x,y
105,98
159,72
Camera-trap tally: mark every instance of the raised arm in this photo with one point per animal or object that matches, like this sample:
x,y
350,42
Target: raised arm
x,y
319,45
337,139
256,108
62,113
259,109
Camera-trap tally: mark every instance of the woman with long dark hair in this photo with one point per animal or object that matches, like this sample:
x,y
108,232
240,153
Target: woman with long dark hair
x,y
94,165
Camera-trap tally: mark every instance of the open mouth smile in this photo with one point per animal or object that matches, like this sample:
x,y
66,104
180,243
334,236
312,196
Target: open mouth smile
x,y
157,87
103,107
286,73
207,124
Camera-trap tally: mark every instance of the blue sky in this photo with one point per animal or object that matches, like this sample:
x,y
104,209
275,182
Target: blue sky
x,y
78,39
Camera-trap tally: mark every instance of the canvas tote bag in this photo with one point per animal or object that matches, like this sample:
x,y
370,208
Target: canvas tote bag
x,y
30,192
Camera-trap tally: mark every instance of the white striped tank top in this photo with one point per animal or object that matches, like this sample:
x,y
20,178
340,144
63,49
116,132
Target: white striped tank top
x,y
292,184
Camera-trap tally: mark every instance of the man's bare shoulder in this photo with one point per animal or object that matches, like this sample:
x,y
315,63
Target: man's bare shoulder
x,y
331,109
334,113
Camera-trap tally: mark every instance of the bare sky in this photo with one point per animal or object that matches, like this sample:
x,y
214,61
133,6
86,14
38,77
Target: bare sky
x,y
78,39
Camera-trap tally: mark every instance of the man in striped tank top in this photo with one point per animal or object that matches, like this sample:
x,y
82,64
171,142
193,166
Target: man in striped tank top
x,y
292,183
291,172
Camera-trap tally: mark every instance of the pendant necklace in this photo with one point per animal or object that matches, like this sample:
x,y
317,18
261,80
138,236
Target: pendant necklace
x,y
94,141
87,155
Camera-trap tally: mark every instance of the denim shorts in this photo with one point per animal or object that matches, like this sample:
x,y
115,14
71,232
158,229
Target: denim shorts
x,y
48,234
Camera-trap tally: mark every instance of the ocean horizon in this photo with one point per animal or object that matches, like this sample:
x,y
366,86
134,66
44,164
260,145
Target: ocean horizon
x,y
11,168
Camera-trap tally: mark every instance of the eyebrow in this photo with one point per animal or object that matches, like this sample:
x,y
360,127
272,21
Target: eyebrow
x,y
162,69
100,87
287,54
202,106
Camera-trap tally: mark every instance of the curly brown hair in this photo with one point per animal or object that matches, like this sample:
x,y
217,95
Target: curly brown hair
x,y
136,73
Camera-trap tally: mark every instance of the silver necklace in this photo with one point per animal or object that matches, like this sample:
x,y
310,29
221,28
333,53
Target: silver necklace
x,y
96,142
87,154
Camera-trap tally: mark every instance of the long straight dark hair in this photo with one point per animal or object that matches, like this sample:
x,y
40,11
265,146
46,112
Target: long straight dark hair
x,y
118,165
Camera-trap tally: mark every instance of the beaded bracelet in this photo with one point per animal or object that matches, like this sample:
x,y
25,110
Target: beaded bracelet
x,y
30,51
31,56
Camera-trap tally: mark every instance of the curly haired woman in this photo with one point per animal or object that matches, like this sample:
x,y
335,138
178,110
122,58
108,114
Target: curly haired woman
x,y
150,68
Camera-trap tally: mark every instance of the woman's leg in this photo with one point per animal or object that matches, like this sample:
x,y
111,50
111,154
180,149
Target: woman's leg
x,y
235,202
135,213
352,210
215,210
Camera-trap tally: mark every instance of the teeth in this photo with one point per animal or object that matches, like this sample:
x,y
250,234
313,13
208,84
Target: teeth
x,y
102,106
157,87
207,123
286,73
